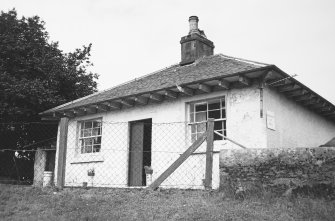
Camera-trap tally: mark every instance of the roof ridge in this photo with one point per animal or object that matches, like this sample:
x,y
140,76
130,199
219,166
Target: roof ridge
x,y
245,60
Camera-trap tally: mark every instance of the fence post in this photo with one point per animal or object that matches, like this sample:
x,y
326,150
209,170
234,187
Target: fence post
x,y
209,154
62,143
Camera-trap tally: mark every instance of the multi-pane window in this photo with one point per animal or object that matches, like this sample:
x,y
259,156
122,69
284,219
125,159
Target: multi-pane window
x,y
200,112
90,136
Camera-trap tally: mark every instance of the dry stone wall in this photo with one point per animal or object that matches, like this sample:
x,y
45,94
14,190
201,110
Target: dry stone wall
x,y
282,171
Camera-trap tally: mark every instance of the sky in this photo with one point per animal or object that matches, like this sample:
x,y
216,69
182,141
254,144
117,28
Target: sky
x,y
134,38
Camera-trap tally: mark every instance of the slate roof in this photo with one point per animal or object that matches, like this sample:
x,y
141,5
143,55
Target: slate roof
x,y
210,67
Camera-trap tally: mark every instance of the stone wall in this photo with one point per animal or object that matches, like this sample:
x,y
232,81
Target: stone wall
x,y
282,171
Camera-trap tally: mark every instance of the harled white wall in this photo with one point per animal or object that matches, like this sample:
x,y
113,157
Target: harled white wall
x,y
169,140
295,125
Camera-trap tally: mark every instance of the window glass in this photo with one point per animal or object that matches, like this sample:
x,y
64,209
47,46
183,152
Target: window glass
x,y
96,148
214,114
193,137
201,116
214,105
218,125
200,107
193,128
90,136
201,127
216,136
96,124
97,140
192,117
96,131
88,124
223,103
223,113
200,112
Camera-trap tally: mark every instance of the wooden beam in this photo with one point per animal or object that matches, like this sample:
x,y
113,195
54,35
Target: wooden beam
x,y
102,107
170,94
141,100
57,114
311,101
329,113
61,152
89,109
68,114
289,87
279,82
319,105
304,97
154,185
209,154
156,97
185,90
267,75
325,109
244,80
127,103
224,84
204,88
49,118
113,105
78,112
296,93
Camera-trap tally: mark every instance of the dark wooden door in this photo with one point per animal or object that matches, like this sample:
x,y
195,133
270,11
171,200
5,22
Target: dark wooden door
x,y
136,154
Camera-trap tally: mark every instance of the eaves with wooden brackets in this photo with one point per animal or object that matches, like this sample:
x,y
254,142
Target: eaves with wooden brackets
x,y
239,80
298,92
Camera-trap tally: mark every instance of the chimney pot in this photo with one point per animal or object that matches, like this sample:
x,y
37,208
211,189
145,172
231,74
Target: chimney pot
x,y
193,21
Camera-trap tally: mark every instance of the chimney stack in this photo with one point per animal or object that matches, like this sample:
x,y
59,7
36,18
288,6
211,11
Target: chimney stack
x,y
195,45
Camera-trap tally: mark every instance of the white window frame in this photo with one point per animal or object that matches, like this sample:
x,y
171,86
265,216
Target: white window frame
x,y
90,136
194,131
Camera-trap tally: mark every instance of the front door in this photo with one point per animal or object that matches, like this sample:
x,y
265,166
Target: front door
x,y
136,154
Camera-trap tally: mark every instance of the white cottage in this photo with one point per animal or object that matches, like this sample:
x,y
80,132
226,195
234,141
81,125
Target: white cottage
x,y
107,138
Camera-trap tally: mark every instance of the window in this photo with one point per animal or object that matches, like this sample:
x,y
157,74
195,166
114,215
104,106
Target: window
x,y
90,136
200,112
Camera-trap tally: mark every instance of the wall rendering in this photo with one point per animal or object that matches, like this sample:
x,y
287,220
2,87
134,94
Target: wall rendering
x,y
295,125
111,164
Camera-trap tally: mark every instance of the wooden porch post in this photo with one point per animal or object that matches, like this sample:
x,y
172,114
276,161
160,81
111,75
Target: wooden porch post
x,y
209,153
62,143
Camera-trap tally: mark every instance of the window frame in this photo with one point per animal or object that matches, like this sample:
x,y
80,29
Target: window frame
x,y
194,133
82,137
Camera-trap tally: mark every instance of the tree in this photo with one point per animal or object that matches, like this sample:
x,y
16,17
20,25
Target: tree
x,y
35,74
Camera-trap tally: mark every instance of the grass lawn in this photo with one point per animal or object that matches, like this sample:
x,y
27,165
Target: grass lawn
x,y
29,203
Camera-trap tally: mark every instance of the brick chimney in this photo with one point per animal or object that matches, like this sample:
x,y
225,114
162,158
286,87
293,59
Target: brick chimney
x,y
195,45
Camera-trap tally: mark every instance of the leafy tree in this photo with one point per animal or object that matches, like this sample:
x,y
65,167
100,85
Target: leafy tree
x,y
35,74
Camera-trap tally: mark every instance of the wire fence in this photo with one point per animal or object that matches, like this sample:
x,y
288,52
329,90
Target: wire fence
x,y
121,154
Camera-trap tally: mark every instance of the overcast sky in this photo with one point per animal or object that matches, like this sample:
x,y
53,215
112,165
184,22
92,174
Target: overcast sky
x,y
134,38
